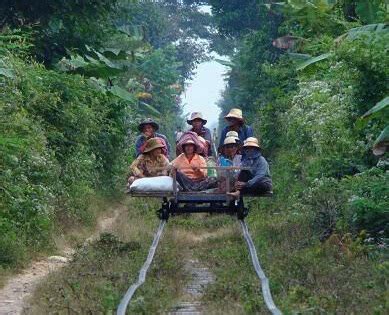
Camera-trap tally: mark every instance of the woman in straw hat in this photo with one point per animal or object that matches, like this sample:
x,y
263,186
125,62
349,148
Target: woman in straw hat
x,y
151,162
148,129
197,122
256,180
235,122
191,174
229,155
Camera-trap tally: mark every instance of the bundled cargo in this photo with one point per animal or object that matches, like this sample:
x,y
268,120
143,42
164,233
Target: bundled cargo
x,y
153,184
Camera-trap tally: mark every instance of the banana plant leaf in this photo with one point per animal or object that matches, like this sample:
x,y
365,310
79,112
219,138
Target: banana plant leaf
x,y
226,63
377,107
313,60
150,108
122,93
299,57
366,29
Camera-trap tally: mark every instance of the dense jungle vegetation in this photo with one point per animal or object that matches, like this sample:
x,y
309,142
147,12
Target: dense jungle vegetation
x,y
76,77
308,75
311,76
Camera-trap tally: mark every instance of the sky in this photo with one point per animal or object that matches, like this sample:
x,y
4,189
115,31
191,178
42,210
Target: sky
x,y
204,91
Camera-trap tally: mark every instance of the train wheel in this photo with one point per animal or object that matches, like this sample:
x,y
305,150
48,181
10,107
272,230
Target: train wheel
x,y
164,212
242,211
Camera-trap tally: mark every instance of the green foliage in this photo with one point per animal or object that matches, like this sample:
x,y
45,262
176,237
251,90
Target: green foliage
x,y
61,140
371,11
329,217
61,24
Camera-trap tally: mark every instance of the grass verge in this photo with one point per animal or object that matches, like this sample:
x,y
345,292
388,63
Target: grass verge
x,y
307,277
101,272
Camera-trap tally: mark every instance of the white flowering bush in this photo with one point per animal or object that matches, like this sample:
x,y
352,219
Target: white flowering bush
x,y
318,126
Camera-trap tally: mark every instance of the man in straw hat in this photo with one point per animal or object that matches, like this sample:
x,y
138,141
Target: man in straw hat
x,y
235,122
197,122
148,129
191,174
151,162
257,179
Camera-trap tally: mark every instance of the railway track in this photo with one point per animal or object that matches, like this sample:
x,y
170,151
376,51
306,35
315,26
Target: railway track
x,y
264,281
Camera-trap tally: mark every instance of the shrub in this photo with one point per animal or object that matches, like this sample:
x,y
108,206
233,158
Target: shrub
x,y
61,141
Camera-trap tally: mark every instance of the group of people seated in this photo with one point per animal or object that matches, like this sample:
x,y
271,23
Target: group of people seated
x,y
239,157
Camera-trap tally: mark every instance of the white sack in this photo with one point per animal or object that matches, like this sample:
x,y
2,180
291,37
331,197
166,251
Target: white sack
x,y
147,184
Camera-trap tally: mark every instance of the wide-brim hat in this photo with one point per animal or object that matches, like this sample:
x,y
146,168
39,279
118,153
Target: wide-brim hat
x,y
251,142
235,113
231,140
232,134
148,121
153,144
196,115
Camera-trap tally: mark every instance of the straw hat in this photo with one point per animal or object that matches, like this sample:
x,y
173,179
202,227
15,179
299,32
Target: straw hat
x,y
196,115
251,142
230,140
148,121
232,134
152,144
235,113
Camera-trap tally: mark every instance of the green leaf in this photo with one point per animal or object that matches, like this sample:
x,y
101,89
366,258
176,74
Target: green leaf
x,y
226,63
377,107
298,57
313,60
366,29
382,142
107,62
122,93
150,108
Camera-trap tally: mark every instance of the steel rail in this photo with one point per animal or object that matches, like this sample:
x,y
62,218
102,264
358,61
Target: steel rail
x,y
259,271
142,273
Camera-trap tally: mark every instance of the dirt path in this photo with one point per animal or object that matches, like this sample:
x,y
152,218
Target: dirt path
x,y
200,275
18,288
190,302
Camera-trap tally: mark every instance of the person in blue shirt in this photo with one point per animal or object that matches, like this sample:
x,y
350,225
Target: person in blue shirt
x,y
256,178
148,129
230,156
236,123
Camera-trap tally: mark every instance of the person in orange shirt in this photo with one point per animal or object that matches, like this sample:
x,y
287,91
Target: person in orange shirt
x,y
190,174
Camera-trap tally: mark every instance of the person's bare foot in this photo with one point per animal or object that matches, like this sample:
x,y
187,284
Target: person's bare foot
x,y
235,194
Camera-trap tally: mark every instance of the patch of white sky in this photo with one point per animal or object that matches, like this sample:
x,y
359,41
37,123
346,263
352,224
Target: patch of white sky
x,y
204,91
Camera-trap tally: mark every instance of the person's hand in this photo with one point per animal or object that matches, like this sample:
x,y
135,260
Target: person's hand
x,y
240,185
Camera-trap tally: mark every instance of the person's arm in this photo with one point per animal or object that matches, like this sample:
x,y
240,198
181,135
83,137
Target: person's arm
x,y
261,172
165,165
167,147
203,172
164,138
138,145
135,168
